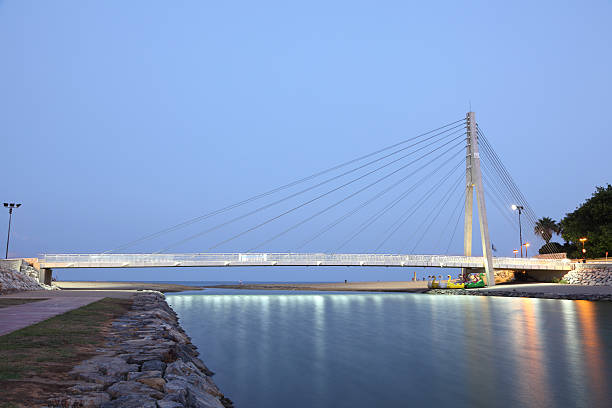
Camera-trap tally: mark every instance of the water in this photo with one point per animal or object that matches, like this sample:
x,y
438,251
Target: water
x,y
308,349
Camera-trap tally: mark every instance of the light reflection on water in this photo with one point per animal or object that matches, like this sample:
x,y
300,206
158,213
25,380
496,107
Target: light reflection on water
x,y
363,350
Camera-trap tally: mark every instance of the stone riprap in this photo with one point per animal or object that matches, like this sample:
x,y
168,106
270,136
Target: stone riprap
x,y
148,361
590,274
16,275
547,291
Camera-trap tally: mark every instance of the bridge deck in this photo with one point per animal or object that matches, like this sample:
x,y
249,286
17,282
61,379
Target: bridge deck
x,y
55,261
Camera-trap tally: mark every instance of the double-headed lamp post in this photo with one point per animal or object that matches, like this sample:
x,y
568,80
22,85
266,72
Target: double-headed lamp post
x,y
520,209
10,207
583,240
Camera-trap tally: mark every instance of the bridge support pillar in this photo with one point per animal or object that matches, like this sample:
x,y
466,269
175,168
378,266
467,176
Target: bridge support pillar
x,y
473,178
45,276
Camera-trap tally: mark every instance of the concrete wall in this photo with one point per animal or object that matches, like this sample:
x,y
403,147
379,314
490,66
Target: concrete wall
x,y
11,264
546,276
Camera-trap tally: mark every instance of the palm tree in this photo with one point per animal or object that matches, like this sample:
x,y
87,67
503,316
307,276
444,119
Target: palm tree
x,y
545,227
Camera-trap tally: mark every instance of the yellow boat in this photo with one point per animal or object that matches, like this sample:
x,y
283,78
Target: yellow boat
x,y
454,285
448,284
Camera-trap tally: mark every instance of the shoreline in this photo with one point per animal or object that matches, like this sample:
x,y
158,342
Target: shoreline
x,y
103,285
147,361
531,290
393,286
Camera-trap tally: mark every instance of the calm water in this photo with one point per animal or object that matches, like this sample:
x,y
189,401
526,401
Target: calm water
x,y
301,349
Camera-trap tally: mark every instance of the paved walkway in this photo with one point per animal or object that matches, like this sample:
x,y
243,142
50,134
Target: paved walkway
x,y
47,294
17,317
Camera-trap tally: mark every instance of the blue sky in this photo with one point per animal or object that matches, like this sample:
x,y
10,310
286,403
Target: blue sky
x,y
121,118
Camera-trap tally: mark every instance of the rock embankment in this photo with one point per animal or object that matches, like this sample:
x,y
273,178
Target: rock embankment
x,y
590,274
148,362
16,275
519,293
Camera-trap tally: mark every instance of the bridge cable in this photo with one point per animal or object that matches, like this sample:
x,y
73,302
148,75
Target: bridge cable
x,y
275,190
515,195
336,189
318,185
363,226
512,198
346,198
505,175
405,216
441,207
498,203
444,199
457,221
495,190
375,197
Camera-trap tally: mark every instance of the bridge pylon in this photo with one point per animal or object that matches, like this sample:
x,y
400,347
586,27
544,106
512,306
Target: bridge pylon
x,y
473,180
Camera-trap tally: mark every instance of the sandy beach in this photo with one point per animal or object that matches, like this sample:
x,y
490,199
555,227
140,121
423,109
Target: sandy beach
x,y
409,286
161,287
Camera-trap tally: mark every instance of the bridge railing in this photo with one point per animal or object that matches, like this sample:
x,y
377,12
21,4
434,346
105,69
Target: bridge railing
x,y
83,260
246,257
531,261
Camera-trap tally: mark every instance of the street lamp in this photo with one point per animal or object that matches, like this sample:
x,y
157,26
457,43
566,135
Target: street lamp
x,y
10,207
526,246
583,240
515,252
520,209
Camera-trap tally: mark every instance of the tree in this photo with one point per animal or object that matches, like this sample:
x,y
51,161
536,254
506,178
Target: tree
x,y
551,248
593,221
545,227
556,248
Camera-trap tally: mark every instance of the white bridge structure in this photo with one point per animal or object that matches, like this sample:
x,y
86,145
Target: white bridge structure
x,y
473,187
50,261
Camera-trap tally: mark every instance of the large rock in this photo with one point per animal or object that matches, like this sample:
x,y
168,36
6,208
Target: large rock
x,y
126,388
103,370
131,401
169,404
153,365
156,383
201,399
176,390
88,400
144,374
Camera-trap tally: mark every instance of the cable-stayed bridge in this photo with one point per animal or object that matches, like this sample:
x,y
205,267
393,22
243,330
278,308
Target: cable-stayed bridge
x,y
411,186
292,259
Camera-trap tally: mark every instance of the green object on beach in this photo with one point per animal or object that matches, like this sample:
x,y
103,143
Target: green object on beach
x,y
479,284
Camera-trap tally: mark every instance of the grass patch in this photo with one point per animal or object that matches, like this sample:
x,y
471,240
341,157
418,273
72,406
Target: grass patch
x,y
51,348
561,281
14,302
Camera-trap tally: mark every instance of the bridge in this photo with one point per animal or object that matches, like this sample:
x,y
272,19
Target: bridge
x,y
462,138
289,259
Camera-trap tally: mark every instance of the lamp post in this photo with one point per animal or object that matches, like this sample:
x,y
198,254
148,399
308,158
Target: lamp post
x,y
520,209
515,252
583,240
10,207
526,246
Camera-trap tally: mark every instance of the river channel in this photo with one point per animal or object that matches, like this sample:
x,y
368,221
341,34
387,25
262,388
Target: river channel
x,y
321,349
